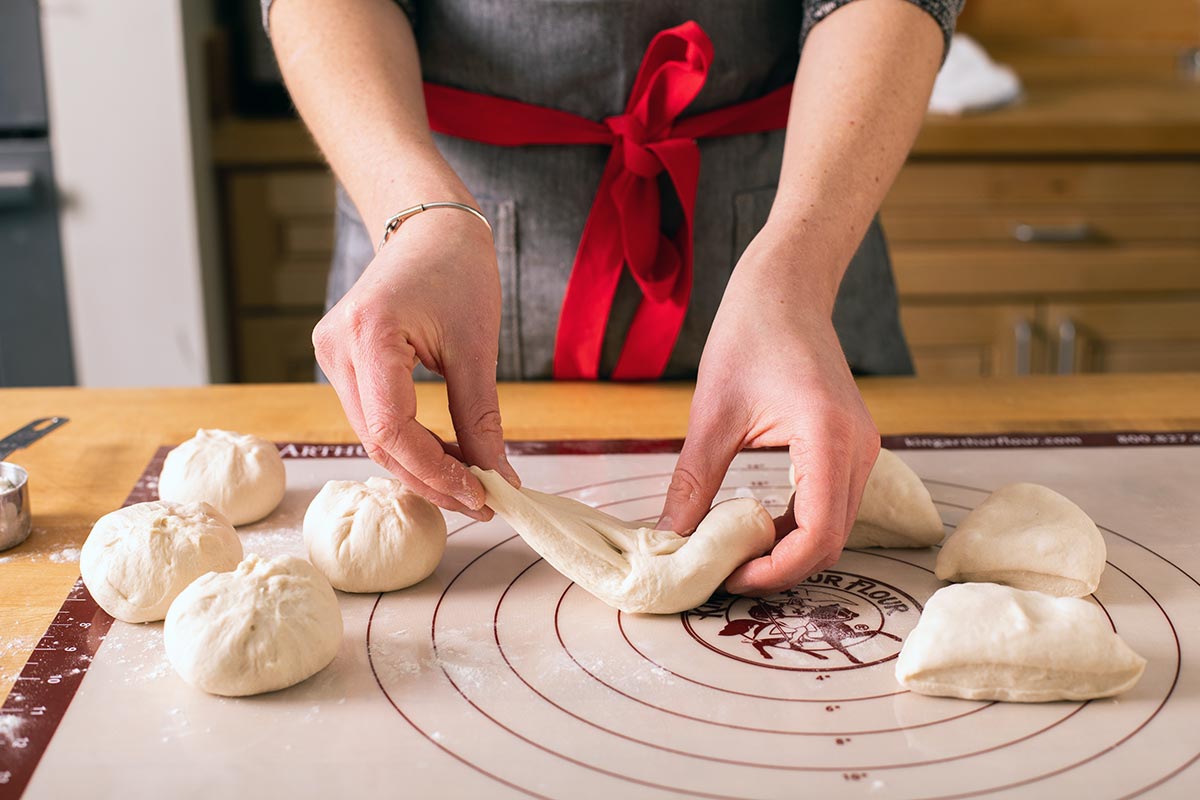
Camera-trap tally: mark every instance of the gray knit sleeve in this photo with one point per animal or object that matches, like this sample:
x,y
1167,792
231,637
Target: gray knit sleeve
x,y
944,12
409,7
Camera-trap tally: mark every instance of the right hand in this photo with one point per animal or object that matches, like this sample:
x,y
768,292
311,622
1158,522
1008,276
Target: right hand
x,y
431,295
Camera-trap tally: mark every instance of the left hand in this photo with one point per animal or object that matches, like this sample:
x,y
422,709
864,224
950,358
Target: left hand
x,y
773,374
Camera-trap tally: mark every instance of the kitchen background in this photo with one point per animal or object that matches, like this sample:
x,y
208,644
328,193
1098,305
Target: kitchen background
x,y
166,220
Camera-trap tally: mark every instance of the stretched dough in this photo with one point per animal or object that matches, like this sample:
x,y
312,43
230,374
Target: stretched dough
x,y
1027,536
983,641
633,568
896,509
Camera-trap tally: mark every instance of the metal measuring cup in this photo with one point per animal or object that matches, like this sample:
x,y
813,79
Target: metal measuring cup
x,y
15,516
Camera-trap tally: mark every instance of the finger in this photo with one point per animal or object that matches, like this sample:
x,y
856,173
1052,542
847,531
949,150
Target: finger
x,y
819,506
389,406
451,448
347,391
786,522
475,411
344,385
858,481
707,452
437,498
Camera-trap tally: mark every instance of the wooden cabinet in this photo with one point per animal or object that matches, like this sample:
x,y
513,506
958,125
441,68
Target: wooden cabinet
x,y
973,340
1048,265
280,233
1139,335
281,236
275,348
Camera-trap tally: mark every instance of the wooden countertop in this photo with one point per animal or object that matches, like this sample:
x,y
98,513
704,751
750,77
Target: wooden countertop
x,y
87,468
1080,100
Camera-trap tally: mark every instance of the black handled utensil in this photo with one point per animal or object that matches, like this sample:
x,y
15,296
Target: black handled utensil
x,y
29,434
15,519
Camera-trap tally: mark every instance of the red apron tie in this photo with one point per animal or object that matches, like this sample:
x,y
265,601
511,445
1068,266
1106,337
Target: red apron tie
x,y
623,225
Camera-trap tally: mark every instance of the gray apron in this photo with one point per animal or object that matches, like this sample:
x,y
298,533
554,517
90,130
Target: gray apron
x,y
582,57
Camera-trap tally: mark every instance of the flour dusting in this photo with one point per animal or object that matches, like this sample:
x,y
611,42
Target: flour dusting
x,y
68,555
10,724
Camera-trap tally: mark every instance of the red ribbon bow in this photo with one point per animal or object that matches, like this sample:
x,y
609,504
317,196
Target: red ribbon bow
x,y
623,226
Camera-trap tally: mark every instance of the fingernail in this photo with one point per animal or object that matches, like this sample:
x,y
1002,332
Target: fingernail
x,y
510,474
665,523
482,515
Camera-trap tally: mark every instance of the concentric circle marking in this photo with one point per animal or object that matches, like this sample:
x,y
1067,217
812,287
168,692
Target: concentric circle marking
x,y
498,701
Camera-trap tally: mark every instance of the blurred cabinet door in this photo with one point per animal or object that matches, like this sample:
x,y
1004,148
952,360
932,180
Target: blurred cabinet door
x,y
1136,335
35,339
22,90
971,340
281,239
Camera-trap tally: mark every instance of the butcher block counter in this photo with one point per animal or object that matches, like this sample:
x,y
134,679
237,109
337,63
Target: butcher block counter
x,y
87,468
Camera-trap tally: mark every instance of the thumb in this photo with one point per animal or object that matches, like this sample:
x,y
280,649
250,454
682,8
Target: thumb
x,y
475,412
703,462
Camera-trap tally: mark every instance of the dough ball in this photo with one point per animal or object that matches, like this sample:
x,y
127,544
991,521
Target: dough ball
x,y
982,641
1027,536
373,537
138,559
241,476
267,625
896,509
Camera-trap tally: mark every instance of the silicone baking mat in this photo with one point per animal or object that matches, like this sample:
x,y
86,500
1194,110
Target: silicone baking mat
x,y
497,677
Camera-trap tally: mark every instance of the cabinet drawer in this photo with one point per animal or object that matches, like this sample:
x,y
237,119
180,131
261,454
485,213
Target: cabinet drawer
x,y
981,270
281,238
1022,228
1125,336
973,339
276,349
1056,183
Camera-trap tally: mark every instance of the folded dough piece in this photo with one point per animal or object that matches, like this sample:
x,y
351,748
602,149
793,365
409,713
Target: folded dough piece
x,y
1027,536
896,509
983,641
634,568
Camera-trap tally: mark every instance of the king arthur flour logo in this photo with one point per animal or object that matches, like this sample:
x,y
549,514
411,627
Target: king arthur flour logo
x,y
832,621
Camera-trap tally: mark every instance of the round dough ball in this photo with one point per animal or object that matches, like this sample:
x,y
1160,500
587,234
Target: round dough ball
x,y
138,559
267,625
375,536
242,476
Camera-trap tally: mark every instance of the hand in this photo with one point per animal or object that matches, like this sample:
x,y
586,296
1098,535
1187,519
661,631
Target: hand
x,y
431,295
773,374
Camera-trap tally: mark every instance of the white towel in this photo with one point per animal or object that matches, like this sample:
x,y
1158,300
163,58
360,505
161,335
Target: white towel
x,y
970,81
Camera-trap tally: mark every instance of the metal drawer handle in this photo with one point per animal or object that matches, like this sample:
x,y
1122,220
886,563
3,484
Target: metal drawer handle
x,y
1066,347
16,188
1023,335
1074,232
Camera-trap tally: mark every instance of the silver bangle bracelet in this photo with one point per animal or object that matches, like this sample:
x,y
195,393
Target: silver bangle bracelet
x,y
394,223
